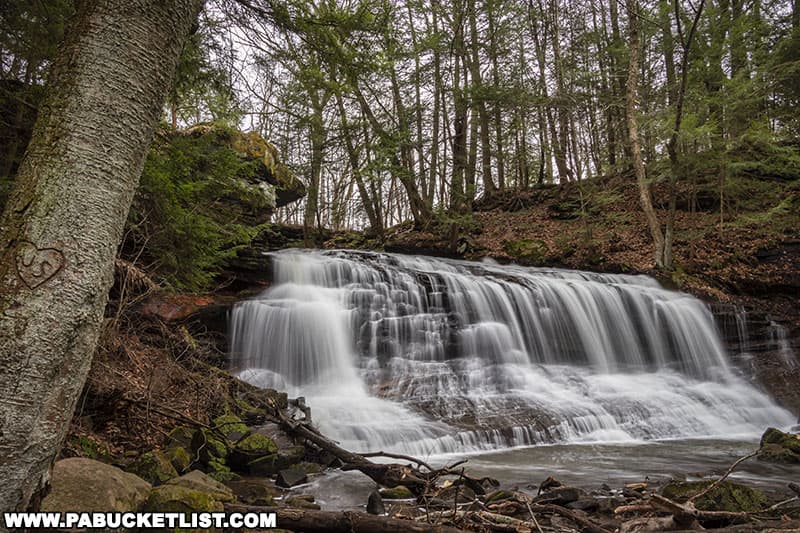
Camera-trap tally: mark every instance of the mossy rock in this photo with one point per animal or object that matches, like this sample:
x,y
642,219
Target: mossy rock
x,y
208,446
254,492
527,251
179,458
178,499
231,426
251,448
86,447
498,495
727,496
270,465
779,447
155,467
224,477
397,493
181,436
198,481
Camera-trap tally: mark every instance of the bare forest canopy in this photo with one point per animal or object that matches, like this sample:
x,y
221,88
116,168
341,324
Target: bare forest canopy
x,y
392,111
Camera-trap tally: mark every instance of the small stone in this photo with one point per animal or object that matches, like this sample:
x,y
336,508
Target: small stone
x,y
559,496
375,504
253,492
291,478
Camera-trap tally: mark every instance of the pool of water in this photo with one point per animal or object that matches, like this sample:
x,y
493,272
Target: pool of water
x,y
588,466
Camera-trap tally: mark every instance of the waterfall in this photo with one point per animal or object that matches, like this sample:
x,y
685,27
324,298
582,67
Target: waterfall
x,y
427,356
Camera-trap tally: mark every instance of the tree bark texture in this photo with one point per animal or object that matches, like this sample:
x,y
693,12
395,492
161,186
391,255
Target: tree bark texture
x,y
64,220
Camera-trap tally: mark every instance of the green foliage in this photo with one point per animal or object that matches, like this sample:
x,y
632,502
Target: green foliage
x,y
189,214
758,154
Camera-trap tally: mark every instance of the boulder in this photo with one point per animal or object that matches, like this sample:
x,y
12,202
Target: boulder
x,y
272,464
779,447
209,447
180,436
178,499
231,426
727,496
180,458
198,481
560,496
84,485
155,467
251,448
291,478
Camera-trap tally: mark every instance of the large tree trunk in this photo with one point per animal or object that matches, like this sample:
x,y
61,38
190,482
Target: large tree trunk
x,y
64,221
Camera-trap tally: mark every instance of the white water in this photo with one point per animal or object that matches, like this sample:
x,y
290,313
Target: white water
x,y
430,356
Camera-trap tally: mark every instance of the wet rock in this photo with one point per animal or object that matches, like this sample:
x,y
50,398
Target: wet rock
x,y
84,485
375,504
549,483
396,493
779,447
196,480
560,496
274,432
253,492
291,478
727,496
155,467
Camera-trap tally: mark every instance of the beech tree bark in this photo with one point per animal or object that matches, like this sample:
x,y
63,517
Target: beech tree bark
x,y
64,220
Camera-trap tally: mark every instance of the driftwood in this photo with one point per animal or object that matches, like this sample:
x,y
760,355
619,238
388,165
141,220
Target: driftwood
x,y
312,521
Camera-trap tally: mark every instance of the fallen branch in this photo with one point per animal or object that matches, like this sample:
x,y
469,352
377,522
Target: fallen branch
x,y
398,456
723,478
312,521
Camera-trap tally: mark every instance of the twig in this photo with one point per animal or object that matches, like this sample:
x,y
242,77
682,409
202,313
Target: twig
x,y
533,517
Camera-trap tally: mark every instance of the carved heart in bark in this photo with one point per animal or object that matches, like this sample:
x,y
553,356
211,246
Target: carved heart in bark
x,y
36,266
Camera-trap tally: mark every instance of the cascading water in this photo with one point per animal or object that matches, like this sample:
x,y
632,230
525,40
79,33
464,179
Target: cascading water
x,y
428,356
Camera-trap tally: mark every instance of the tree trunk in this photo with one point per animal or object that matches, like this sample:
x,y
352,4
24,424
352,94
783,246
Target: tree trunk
x,y
65,217
645,196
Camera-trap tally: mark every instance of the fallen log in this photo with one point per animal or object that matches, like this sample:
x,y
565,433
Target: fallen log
x,y
312,521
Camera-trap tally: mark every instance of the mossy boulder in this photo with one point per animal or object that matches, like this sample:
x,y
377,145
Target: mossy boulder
x,y
180,458
251,448
155,467
177,499
527,251
231,426
208,446
270,465
84,485
307,467
180,436
196,480
397,493
727,496
779,447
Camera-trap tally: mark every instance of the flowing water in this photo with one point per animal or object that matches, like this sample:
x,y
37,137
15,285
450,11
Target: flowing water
x,y
431,356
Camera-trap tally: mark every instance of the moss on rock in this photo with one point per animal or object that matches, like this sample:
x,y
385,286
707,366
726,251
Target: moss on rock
x,y
231,426
727,496
179,458
155,467
209,447
178,499
779,447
